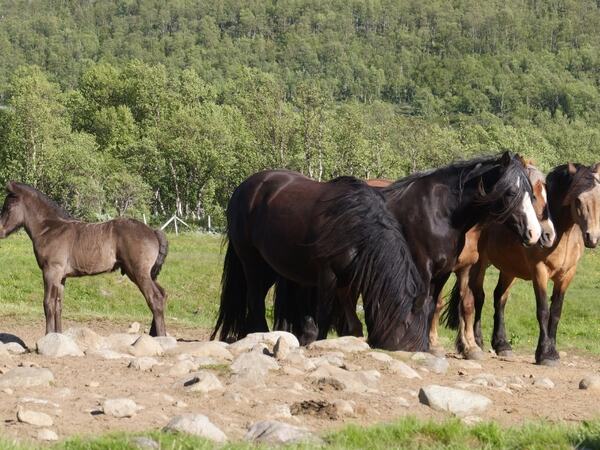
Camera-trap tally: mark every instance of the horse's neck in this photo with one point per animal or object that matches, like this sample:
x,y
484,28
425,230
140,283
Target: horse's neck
x,y
564,223
36,218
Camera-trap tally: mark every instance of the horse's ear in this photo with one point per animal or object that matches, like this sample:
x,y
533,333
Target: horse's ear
x,y
596,168
572,169
10,187
522,160
506,158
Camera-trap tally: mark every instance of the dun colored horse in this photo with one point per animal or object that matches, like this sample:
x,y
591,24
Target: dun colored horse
x,y
470,255
435,210
337,239
65,247
574,199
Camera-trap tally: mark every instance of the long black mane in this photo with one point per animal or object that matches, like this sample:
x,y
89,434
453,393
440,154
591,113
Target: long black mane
x,y
381,269
44,200
471,170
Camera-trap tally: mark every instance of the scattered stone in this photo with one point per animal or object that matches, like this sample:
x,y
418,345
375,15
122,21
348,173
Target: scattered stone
x,y
57,345
488,380
143,363
468,364
120,407
47,435
343,408
120,342
93,384
545,383
26,377
350,344
382,357
281,350
86,339
430,362
590,382
403,369
246,344
146,346
274,432
35,418
143,442
253,364
329,359
198,425
134,328
166,342
211,349
361,381
183,368
203,382
15,348
279,411
106,353
456,401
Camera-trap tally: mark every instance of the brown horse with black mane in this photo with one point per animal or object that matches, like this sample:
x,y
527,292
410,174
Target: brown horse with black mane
x,y
574,200
66,247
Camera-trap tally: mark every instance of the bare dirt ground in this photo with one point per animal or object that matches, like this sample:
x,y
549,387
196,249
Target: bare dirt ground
x,y
73,403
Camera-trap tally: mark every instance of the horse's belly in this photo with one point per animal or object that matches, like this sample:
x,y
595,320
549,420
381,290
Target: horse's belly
x,y
93,262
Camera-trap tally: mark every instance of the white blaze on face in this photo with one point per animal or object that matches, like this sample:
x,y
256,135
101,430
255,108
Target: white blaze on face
x,y
533,226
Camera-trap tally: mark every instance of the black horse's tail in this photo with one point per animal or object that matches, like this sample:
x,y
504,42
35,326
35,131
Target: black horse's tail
x,y
163,249
233,308
451,313
363,240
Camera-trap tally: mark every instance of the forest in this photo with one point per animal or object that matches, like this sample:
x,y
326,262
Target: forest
x,y
131,107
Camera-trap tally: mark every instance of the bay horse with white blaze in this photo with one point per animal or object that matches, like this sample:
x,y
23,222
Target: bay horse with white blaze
x,y
65,247
337,239
574,200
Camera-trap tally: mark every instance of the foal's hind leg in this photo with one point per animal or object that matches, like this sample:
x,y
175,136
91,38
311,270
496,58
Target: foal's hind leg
x,y
155,299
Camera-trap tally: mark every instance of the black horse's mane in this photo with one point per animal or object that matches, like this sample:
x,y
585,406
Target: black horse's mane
x,y
469,170
44,199
382,269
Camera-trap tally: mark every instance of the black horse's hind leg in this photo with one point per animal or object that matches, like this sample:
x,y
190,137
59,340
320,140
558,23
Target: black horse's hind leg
x,y
347,323
325,302
259,279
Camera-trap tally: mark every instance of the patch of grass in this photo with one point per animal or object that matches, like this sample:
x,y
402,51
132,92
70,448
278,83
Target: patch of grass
x,y
406,433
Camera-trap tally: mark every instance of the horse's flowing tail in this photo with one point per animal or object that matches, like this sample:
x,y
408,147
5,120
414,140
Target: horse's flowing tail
x,y
163,249
233,308
451,313
380,268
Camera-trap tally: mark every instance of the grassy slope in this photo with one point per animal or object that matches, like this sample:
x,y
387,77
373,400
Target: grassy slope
x,y
192,275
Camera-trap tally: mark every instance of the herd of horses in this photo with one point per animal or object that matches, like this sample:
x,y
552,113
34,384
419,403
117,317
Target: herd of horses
x,y
324,245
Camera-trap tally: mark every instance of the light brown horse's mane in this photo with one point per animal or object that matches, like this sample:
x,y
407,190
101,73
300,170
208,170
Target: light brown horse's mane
x,y
44,199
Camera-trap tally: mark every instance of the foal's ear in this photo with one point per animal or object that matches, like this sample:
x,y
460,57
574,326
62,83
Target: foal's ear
x,y
572,169
506,158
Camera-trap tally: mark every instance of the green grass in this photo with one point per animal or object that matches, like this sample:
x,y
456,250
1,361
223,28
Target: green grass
x,y
406,433
192,273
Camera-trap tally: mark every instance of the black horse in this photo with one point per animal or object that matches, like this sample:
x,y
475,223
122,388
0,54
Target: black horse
x,y
336,238
435,210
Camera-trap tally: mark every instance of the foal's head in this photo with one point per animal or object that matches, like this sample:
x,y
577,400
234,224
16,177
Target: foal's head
x,y
540,204
506,192
12,216
584,199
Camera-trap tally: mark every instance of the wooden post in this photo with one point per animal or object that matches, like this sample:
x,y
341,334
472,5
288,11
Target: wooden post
x,y
209,222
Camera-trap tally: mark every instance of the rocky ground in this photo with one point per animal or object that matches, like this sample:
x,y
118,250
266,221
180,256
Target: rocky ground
x,y
96,378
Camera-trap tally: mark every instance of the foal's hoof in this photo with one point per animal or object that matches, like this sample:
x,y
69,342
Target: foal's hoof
x,y
549,362
438,351
475,354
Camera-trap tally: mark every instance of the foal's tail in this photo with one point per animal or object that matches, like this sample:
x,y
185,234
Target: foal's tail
x,y
163,249
451,313
233,308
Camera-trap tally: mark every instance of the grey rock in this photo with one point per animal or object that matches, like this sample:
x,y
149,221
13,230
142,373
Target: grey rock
x,y
381,357
281,350
274,432
120,407
590,382
544,383
15,348
166,342
203,382
86,339
247,343
35,418
253,364
198,425
456,401
402,369
26,377
343,408
430,362
211,349
57,345
488,380
134,328
468,364
146,346
181,368
360,381
349,344
143,363
47,435
120,342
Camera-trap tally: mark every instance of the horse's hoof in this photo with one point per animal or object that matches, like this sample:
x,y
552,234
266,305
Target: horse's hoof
x,y
438,351
549,362
506,355
475,354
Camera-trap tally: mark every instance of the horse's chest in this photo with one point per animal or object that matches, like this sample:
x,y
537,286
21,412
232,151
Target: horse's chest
x,y
565,256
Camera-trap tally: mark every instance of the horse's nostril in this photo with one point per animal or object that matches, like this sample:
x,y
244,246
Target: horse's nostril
x,y
529,234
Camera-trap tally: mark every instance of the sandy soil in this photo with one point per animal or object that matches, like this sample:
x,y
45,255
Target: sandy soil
x,y
74,404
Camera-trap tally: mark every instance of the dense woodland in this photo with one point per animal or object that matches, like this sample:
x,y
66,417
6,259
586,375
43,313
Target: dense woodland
x,y
128,106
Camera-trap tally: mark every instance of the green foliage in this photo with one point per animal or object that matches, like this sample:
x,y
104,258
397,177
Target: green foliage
x,y
184,100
